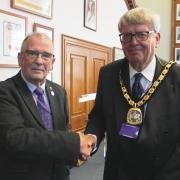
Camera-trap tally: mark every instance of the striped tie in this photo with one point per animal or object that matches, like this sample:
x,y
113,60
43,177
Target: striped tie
x,y
43,109
137,89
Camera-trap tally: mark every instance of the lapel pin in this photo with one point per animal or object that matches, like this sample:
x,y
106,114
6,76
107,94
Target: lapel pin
x,y
52,92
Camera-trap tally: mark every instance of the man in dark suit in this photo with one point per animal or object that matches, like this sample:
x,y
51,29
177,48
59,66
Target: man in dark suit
x,y
137,105
32,146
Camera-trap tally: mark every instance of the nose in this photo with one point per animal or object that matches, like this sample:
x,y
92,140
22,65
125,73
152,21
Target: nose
x,y
134,40
39,59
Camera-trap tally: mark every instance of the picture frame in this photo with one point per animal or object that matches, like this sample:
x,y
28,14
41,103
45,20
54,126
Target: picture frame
x,y
177,12
130,4
177,34
13,29
117,53
177,55
90,14
43,8
44,29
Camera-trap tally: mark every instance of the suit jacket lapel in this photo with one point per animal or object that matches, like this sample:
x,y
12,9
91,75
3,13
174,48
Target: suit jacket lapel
x,y
55,105
121,105
51,95
28,98
152,103
158,69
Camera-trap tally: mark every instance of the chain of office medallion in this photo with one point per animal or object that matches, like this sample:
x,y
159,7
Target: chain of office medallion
x,y
150,91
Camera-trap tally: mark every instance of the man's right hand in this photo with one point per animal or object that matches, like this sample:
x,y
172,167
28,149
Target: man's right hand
x,y
86,145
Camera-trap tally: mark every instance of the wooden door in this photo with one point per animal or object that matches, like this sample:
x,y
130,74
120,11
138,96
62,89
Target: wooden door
x,y
82,61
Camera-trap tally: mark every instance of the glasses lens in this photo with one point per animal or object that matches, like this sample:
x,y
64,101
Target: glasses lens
x,y
35,54
142,36
126,37
32,54
46,55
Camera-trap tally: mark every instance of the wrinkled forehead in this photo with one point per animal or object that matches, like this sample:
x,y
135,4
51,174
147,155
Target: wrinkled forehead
x,y
39,41
136,22
136,27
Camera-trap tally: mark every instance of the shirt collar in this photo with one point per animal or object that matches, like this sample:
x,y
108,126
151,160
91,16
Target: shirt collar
x,y
31,86
148,72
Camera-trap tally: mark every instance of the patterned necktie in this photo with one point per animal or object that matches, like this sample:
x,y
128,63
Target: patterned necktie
x,y
43,108
137,89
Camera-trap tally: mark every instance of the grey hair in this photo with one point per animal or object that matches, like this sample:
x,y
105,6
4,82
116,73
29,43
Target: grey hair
x,y
38,34
140,15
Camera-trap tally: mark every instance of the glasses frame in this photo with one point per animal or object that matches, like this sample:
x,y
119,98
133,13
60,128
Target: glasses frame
x,y
131,35
37,53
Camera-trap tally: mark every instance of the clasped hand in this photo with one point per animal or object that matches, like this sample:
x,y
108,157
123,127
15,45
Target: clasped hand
x,y
87,143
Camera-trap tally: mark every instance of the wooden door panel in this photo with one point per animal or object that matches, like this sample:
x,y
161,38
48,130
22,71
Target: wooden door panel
x,y
97,64
76,84
78,71
81,62
98,59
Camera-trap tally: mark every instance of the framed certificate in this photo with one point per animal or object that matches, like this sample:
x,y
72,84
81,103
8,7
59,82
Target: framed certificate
x,y
13,31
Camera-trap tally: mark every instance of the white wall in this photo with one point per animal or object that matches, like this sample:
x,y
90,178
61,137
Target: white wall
x,y
163,8
68,19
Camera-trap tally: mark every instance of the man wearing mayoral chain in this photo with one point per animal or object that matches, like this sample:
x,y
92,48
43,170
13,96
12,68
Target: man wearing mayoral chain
x,y
137,105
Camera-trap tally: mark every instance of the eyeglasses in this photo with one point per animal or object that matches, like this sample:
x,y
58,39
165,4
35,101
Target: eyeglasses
x,y
140,36
35,54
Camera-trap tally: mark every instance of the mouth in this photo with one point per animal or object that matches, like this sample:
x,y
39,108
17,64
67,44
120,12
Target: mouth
x,y
37,70
134,51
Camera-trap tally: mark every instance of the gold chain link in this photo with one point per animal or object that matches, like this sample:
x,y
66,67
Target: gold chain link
x,y
150,91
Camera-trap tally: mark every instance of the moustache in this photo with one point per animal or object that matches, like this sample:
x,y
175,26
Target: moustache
x,y
37,67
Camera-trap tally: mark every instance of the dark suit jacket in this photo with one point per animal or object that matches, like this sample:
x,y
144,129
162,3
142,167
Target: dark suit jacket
x,y
27,150
155,155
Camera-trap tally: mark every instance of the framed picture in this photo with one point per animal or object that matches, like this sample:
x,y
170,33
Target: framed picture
x,y
44,29
13,31
177,12
117,53
177,55
42,8
90,14
178,34
130,4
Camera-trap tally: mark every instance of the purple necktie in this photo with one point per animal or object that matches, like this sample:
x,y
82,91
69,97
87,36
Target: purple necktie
x,y
43,109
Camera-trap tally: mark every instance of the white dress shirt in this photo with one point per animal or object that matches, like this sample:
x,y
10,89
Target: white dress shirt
x,y
148,74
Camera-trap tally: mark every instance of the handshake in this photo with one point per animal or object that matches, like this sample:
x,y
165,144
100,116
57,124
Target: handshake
x,y
87,143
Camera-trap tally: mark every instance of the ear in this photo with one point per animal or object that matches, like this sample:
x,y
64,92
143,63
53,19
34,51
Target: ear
x,y
19,59
51,67
158,37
